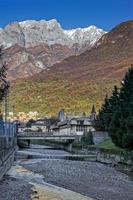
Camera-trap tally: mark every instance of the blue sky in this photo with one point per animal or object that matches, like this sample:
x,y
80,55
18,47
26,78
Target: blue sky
x,y
70,13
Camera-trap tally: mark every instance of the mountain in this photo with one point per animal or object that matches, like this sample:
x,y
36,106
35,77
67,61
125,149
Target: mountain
x,y
32,33
109,58
79,81
31,46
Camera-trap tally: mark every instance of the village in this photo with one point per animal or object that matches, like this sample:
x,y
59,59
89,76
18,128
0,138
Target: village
x,y
63,124
66,100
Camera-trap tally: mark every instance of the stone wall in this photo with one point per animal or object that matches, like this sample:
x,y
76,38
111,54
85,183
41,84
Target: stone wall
x,y
6,161
7,151
125,158
8,143
99,136
111,157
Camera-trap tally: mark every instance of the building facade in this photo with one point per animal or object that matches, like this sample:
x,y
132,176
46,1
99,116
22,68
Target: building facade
x,y
73,126
40,125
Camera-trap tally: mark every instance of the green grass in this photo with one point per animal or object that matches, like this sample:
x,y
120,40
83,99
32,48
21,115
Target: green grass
x,y
108,144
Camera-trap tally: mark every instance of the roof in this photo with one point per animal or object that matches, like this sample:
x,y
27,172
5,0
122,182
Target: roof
x,y
22,125
37,124
41,122
93,110
81,118
68,122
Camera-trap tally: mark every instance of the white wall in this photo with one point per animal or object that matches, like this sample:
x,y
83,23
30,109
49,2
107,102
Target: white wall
x,y
36,127
64,131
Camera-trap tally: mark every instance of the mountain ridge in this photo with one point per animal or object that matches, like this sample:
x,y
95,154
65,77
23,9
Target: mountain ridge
x,y
31,33
78,82
38,45
113,52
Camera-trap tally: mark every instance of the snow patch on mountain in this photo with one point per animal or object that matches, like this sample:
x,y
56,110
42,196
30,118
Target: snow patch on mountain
x,y
30,33
81,35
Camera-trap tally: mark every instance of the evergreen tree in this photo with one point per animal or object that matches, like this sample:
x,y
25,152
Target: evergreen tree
x,y
99,122
121,126
116,114
30,122
105,114
87,138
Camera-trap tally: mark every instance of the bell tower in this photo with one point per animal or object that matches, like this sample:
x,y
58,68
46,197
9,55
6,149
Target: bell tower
x,y
93,113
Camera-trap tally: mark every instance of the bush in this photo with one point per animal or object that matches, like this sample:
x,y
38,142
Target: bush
x,y
87,138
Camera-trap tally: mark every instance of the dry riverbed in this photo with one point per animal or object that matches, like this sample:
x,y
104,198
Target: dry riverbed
x,y
52,179
92,179
22,184
14,189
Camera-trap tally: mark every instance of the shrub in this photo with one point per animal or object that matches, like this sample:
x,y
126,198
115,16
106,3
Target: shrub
x,y
87,138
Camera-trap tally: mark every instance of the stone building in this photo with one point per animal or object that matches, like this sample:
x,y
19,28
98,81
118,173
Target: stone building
x,y
73,125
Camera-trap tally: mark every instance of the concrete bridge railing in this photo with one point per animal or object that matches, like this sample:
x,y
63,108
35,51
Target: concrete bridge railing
x,y
46,135
34,134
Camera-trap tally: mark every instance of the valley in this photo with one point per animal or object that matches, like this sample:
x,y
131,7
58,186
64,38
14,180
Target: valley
x,y
78,82
55,68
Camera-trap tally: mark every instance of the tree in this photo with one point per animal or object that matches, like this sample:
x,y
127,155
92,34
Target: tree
x,y
103,118
121,125
87,138
4,84
116,114
30,122
3,76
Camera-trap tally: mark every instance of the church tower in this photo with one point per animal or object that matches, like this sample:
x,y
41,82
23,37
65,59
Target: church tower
x,y
61,115
93,113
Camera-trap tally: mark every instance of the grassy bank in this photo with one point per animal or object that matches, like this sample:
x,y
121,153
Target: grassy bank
x,y
108,144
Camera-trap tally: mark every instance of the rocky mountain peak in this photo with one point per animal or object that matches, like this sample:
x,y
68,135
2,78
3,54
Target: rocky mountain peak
x,y
31,33
32,45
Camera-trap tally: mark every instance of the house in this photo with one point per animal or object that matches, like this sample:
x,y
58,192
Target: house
x,y
72,125
21,126
41,125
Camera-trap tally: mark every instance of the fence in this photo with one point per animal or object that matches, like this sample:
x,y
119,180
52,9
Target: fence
x,y
7,135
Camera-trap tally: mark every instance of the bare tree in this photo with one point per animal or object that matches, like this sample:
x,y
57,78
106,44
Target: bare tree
x,y
4,84
3,75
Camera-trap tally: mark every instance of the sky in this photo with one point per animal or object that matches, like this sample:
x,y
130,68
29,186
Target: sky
x,y
70,13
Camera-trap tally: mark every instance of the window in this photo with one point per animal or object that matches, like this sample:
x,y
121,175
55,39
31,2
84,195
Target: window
x,y
82,128
80,122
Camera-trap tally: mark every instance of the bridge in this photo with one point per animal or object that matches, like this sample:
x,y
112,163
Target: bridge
x,y
69,139
44,136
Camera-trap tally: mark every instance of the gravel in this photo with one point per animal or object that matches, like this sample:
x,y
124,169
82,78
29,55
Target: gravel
x,y
14,189
46,150
92,179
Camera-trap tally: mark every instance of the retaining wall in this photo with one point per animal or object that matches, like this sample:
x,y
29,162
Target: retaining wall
x,y
6,160
107,156
99,136
125,158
